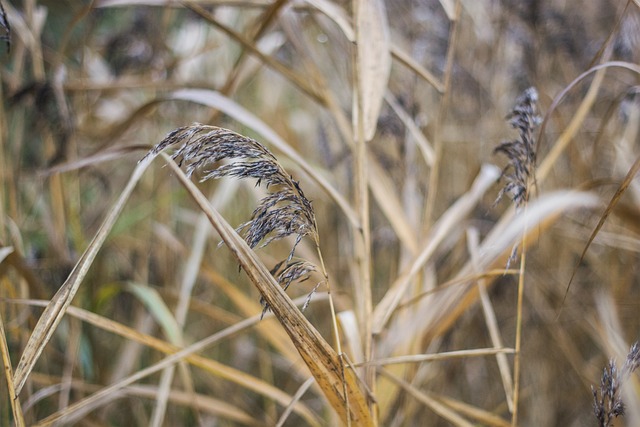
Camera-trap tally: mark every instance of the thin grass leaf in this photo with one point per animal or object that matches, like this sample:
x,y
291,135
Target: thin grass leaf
x,y
57,307
159,310
420,139
216,407
491,321
426,398
296,397
581,113
484,418
448,355
631,174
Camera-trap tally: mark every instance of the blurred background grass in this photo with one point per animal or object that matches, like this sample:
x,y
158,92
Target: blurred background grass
x,y
87,87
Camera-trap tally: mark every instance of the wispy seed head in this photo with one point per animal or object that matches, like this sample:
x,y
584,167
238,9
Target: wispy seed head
x,y
284,211
521,152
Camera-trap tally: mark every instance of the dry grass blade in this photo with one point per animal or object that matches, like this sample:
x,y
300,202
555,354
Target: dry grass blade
x,y
419,358
296,79
567,136
387,197
58,305
428,401
484,418
412,64
206,404
216,100
296,397
174,354
94,159
421,140
387,306
473,239
610,206
374,60
447,306
338,15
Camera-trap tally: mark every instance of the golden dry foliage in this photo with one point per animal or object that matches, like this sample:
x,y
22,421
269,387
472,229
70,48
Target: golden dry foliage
x,y
284,213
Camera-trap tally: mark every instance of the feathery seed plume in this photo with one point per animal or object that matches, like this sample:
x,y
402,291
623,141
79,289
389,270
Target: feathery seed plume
x,y
284,211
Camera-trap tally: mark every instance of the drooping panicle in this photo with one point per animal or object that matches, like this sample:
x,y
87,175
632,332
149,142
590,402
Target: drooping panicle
x,y
284,211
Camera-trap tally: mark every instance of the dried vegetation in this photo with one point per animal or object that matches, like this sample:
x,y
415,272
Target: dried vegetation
x,y
149,149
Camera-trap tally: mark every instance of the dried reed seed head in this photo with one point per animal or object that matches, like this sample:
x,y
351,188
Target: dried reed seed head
x,y
521,152
284,211
201,146
607,403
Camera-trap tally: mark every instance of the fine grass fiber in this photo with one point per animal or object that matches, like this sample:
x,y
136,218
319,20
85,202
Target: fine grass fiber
x,y
319,213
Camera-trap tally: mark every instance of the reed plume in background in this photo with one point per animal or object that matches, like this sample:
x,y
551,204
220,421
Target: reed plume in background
x,y
607,402
521,152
